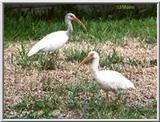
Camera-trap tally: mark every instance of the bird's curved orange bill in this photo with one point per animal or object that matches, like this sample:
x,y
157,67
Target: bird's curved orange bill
x,y
87,59
79,22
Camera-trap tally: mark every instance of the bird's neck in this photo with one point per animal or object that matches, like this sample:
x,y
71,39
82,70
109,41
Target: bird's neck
x,y
94,66
70,28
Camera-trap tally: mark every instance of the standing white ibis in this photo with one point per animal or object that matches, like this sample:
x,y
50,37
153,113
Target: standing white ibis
x,y
109,80
56,40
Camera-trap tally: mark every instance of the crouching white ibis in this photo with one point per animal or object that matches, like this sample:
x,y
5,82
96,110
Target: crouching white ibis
x,y
56,40
109,80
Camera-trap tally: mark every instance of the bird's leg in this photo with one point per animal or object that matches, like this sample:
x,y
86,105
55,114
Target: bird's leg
x,y
121,101
56,54
46,61
51,61
107,97
55,58
114,93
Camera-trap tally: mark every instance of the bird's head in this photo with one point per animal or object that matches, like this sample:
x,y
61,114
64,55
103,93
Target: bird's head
x,y
90,57
72,17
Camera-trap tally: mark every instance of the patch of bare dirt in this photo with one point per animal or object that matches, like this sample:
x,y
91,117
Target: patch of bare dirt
x,y
21,82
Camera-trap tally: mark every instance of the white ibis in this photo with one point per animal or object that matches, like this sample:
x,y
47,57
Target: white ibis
x,y
109,80
56,40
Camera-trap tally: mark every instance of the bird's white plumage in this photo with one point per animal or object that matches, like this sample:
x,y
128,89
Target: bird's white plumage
x,y
50,43
112,80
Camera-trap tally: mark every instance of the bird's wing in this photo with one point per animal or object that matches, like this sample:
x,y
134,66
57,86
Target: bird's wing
x,y
54,40
50,42
114,80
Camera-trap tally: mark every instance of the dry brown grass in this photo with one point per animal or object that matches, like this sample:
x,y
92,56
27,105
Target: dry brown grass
x,y
21,82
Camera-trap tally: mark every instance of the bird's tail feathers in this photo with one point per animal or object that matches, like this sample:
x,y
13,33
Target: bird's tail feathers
x,y
32,51
132,86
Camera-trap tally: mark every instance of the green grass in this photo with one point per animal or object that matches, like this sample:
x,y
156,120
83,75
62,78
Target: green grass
x,y
77,55
115,30
37,61
113,57
22,58
113,60
84,98
27,28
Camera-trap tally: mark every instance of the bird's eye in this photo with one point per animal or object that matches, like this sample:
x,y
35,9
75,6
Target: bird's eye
x,y
71,16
